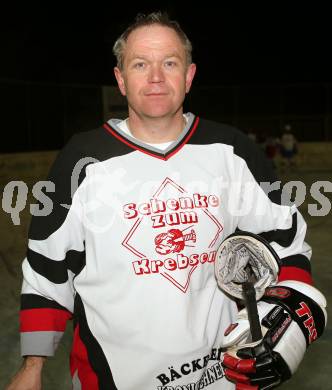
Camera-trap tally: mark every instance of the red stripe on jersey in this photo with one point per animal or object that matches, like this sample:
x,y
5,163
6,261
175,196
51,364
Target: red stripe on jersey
x,y
80,365
295,273
53,320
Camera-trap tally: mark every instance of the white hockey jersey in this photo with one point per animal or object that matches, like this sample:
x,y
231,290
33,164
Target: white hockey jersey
x,y
128,252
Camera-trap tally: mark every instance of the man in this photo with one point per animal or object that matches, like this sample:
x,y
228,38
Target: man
x,y
288,146
129,252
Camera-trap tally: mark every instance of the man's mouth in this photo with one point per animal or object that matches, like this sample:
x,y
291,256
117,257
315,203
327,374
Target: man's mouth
x,y
155,94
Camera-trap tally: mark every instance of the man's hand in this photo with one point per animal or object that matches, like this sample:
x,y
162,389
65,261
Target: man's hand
x,y
29,375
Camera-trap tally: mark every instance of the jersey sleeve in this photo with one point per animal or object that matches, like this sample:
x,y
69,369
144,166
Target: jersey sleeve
x,y
55,254
266,210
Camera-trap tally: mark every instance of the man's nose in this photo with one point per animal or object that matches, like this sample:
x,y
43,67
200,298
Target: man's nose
x,y
156,74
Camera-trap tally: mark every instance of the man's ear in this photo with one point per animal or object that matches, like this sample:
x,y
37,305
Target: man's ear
x,y
190,76
120,80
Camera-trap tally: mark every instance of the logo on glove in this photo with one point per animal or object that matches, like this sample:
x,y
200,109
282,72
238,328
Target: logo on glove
x,y
277,292
309,323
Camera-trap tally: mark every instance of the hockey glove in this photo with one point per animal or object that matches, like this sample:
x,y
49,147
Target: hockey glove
x,y
292,316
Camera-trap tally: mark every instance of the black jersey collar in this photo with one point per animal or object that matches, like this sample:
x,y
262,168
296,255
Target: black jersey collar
x,y
174,147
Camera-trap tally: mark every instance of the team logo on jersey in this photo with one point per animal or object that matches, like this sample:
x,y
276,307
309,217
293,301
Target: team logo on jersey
x,y
173,233
173,241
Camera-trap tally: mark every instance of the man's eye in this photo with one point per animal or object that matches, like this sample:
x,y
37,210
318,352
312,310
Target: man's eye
x,y
139,65
170,64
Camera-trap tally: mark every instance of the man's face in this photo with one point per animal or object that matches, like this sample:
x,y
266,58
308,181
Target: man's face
x,y
155,75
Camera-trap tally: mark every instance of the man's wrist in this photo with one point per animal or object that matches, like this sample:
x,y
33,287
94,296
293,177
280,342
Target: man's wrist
x,y
34,362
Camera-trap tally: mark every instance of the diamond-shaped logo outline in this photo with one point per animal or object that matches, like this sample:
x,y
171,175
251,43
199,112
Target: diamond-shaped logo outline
x,y
166,275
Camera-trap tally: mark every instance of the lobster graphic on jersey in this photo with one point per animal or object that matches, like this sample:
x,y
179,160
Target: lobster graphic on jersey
x,y
173,241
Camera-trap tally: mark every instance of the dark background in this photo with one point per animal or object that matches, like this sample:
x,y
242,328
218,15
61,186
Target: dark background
x,y
257,68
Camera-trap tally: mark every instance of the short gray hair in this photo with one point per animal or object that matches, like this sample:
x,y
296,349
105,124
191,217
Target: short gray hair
x,y
142,20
